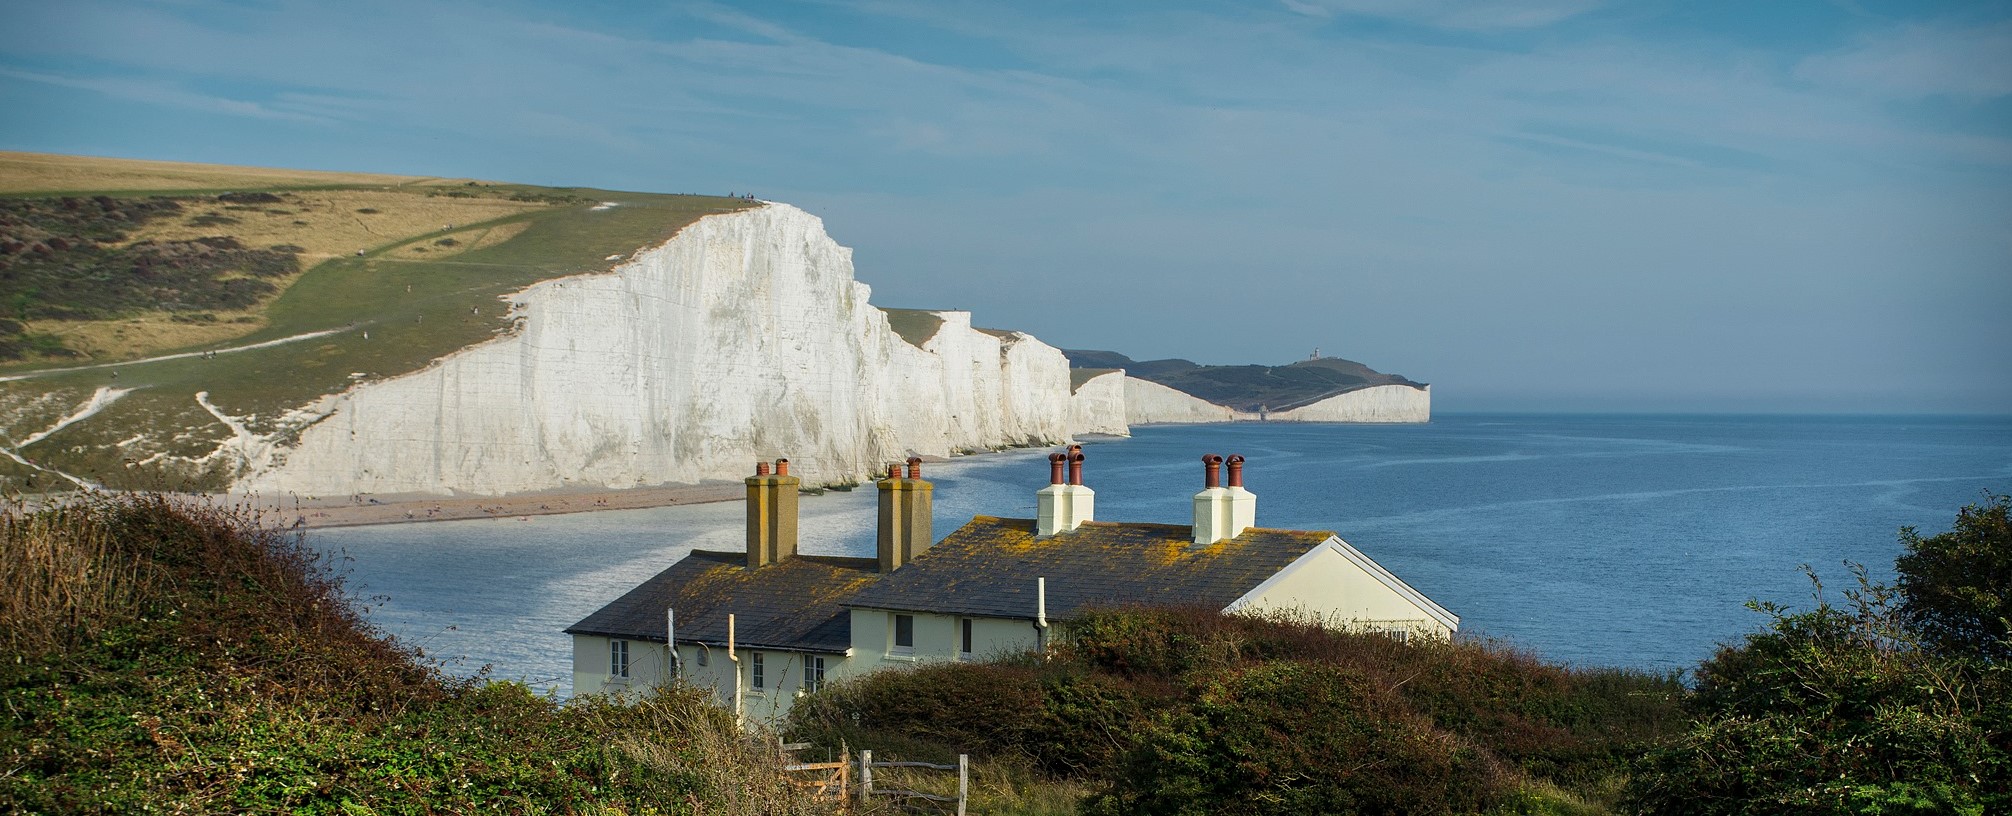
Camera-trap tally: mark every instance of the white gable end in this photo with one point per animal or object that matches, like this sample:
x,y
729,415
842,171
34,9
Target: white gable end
x,y
1338,583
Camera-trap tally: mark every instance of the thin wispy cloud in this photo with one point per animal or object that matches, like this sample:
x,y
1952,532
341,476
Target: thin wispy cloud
x,y
1949,59
1413,182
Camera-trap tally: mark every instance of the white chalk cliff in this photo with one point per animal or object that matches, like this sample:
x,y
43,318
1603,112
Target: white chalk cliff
x,y
743,337
1150,403
1099,406
1377,403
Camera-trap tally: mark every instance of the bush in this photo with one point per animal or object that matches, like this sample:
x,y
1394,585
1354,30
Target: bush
x,y
1189,710
1288,737
185,658
1837,710
1956,587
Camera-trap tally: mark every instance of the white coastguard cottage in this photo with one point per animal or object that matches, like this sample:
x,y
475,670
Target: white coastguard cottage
x,y
766,625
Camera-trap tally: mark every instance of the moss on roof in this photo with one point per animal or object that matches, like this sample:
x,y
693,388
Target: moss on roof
x,y
792,604
988,567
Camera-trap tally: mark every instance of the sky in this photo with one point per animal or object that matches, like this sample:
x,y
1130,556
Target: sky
x,y
1545,205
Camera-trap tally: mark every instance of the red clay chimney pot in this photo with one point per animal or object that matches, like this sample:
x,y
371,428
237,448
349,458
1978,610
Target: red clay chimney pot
x,y
1075,464
1236,462
1212,470
761,468
914,467
782,467
1056,462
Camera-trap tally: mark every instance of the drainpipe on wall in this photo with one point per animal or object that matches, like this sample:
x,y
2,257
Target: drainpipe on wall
x,y
671,641
736,660
1041,614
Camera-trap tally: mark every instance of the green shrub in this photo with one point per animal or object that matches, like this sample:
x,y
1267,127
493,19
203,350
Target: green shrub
x,y
184,658
1288,737
1837,710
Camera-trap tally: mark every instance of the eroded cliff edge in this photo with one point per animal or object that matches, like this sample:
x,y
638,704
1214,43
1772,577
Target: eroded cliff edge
x,y
745,336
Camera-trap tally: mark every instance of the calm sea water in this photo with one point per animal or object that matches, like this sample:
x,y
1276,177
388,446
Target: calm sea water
x,y
1591,540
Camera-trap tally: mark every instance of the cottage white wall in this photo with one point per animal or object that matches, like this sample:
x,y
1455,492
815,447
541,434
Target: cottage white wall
x,y
648,667
1326,583
937,638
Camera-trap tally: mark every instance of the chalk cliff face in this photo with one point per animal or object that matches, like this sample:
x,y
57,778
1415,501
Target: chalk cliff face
x,y
1149,403
1380,403
743,337
1098,406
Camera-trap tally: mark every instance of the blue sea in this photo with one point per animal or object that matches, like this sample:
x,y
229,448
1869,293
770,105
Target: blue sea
x,y
1625,540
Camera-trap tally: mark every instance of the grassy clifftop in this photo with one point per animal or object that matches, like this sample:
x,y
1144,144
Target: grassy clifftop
x,y
109,266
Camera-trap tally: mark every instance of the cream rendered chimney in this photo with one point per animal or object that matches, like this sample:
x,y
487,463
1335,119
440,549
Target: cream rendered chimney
x,y
1212,505
1065,503
771,514
1048,501
1243,503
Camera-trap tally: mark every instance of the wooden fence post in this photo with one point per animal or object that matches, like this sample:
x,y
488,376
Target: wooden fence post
x,y
963,781
865,775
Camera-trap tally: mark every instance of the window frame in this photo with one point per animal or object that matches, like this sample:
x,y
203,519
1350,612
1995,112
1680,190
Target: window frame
x,y
757,671
966,638
894,644
618,659
813,673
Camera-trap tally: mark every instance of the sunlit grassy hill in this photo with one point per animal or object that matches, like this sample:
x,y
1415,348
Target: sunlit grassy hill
x,y
132,286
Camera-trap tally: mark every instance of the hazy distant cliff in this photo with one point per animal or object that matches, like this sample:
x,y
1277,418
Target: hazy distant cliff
x,y
1320,389
743,337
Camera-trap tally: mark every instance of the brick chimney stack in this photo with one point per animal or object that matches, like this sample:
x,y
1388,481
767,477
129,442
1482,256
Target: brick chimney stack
x,y
907,516
771,514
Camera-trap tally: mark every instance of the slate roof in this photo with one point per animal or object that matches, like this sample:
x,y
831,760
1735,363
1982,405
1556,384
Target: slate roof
x,y
795,604
988,567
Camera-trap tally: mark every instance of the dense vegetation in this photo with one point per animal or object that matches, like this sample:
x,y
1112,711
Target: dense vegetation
x,y
182,659
1900,701
1896,701
69,259
1191,711
1246,387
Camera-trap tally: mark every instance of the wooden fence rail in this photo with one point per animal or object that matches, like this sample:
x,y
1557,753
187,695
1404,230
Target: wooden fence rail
x,y
829,780
963,769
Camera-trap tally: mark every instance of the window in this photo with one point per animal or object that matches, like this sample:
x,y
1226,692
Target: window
x,y
964,637
755,668
904,634
618,658
813,674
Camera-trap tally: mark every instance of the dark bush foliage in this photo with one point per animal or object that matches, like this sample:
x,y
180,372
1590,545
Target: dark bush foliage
x,y
1850,710
1956,587
69,266
178,658
1177,711
249,198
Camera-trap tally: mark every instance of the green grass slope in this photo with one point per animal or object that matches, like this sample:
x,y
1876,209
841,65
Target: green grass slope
x,y
390,310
